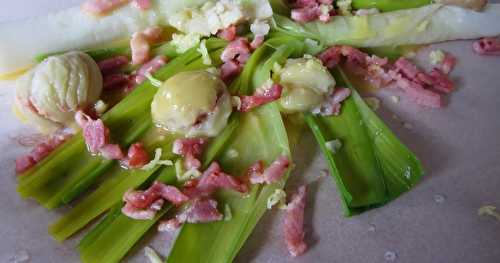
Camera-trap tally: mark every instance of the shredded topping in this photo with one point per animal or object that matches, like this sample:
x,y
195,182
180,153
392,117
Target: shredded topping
x,y
277,198
294,223
150,67
334,145
156,161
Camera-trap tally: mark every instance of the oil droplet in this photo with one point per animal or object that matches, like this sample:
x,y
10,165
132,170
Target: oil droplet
x,y
390,256
439,198
21,256
372,228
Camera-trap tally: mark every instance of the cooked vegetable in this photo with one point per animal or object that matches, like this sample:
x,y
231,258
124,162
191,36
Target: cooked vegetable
x,y
49,95
73,29
373,167
389,5
424,25
194,103
306,84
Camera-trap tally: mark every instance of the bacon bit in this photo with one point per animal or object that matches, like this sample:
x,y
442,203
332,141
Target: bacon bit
x,y
305,14
153,34
261,96
115,81
137,156
441,82
293,225
24,163
330,57
144,199
150,67
332,106
200,211
142,4
271,174
95,133
408,69
140,48
112,152
448,63
190,149
138,214
257,42
112,65
228,33
417,93
238,49
487,46
102,7
229,70
310,10
213,179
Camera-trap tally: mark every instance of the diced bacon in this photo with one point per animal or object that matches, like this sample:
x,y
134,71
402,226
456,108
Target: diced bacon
x,y
24,163
330,57
417,93
448,63
137,156
212,180
96,135
112,65
374,60
229,70
293,225
228,33
138,214
441,82
115,81
261,96
169,225
190,149
487,46
271,174
306,14
333,104
101,7
238,49
112,152
257,42
408,69
142,4
140,48
201,210
153,34
354,55
144,199
157,205
304,3
150,67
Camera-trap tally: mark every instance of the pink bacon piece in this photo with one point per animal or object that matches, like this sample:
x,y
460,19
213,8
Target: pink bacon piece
x,y
150,67
42,150
229,70
95,133
257,42
137,156
228,33
212,180
441,82
115,81
272,174
140,48
417,92
306,14
448,63
142,4
153,34
112,152
102,7
238,49
190,149
487,46
293,225
144,199
112,65
200,210
261,96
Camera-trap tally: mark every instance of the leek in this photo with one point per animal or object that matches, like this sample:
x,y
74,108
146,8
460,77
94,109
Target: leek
x,y
423,25
389,5
373,167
